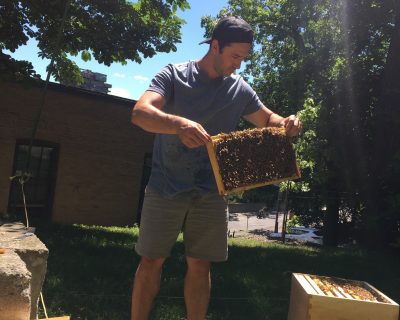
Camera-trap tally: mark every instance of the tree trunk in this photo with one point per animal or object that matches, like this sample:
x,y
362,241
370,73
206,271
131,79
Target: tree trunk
x,y
391,80
385,145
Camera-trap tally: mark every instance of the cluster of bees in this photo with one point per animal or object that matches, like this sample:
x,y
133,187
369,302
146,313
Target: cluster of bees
x,y
254,156
350,289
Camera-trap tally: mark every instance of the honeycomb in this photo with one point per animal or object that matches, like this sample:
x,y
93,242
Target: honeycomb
x,y
254,157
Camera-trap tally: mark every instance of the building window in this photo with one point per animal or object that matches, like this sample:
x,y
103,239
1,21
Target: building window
x,y
39,189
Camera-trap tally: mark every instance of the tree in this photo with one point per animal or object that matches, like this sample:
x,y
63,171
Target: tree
x,y
343,55
110,31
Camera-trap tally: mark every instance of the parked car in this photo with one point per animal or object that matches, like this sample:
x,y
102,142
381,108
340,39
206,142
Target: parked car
x,y
302,234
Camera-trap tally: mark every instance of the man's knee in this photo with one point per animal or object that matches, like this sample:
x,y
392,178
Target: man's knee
x,y
150,264
198,266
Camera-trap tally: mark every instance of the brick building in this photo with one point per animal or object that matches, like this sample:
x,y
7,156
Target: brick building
x,y
89,163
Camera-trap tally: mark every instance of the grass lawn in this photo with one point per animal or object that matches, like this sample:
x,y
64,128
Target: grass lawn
x,y
91,269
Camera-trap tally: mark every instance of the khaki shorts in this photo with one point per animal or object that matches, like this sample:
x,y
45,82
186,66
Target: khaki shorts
x,y
203,219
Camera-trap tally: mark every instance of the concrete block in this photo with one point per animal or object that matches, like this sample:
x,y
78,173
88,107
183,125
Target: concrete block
x,y
15,292
32,251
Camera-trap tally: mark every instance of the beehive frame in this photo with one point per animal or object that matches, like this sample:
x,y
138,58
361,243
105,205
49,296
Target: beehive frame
x,y
211,149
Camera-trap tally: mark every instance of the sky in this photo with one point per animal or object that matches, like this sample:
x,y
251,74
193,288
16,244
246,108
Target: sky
x,y
132,79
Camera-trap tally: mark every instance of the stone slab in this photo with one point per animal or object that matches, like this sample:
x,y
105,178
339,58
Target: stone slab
x,y
15,293
32,251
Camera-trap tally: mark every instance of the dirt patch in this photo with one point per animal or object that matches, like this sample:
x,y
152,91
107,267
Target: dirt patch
x,y
258,235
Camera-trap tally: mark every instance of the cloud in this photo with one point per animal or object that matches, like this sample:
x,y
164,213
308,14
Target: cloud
x,y
120,92
140,78
118,75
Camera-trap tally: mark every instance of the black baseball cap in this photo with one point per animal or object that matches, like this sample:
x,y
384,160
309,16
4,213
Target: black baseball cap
x,y
231,29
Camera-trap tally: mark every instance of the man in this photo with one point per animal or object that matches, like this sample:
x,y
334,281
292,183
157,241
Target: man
x,y
184,105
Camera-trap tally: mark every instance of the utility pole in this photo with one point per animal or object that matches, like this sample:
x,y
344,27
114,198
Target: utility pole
x,y
277,211
285,214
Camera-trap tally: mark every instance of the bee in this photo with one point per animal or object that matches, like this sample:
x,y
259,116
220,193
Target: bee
x,y
254,156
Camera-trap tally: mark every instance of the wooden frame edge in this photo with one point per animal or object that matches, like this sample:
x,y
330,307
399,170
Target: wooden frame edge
x,y
304,283
215,167
391,301
261,184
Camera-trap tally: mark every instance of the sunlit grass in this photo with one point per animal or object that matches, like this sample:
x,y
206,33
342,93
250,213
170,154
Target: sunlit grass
x,y
91,269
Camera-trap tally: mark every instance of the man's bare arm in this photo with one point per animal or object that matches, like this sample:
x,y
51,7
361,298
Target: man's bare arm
x,y
266,118
148,114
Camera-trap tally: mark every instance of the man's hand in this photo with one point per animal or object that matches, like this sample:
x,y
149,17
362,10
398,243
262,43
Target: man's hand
x,y
292,125
192,134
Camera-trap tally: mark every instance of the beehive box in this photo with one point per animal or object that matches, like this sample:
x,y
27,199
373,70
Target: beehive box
x,y
252,158
328,298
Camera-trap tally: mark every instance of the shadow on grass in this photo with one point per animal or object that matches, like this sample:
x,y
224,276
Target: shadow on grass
x,y
91,269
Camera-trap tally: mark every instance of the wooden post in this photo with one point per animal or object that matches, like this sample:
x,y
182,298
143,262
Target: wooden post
x,y
277,211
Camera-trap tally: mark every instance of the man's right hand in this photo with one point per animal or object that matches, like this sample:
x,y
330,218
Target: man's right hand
x,y
192,134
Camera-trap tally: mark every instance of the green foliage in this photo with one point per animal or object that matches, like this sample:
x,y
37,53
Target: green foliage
x,y
66,71
294,221
335,64
86,56
109,31
11,69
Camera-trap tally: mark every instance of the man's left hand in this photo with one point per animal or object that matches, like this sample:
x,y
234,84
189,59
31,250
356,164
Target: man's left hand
x,y
292,125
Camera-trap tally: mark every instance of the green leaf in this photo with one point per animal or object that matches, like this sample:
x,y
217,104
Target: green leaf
x,y
86,56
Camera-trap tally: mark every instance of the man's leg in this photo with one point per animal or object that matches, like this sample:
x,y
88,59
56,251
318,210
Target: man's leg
x,y
161,222
205,237
146,286
197,288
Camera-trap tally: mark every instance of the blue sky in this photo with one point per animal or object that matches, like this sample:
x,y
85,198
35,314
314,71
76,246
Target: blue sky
x,y
131,80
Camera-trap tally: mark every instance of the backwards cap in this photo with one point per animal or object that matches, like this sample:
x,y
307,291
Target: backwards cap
x,y
231,29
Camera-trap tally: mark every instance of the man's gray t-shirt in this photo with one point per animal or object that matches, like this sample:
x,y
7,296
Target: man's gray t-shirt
x,y
216,104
